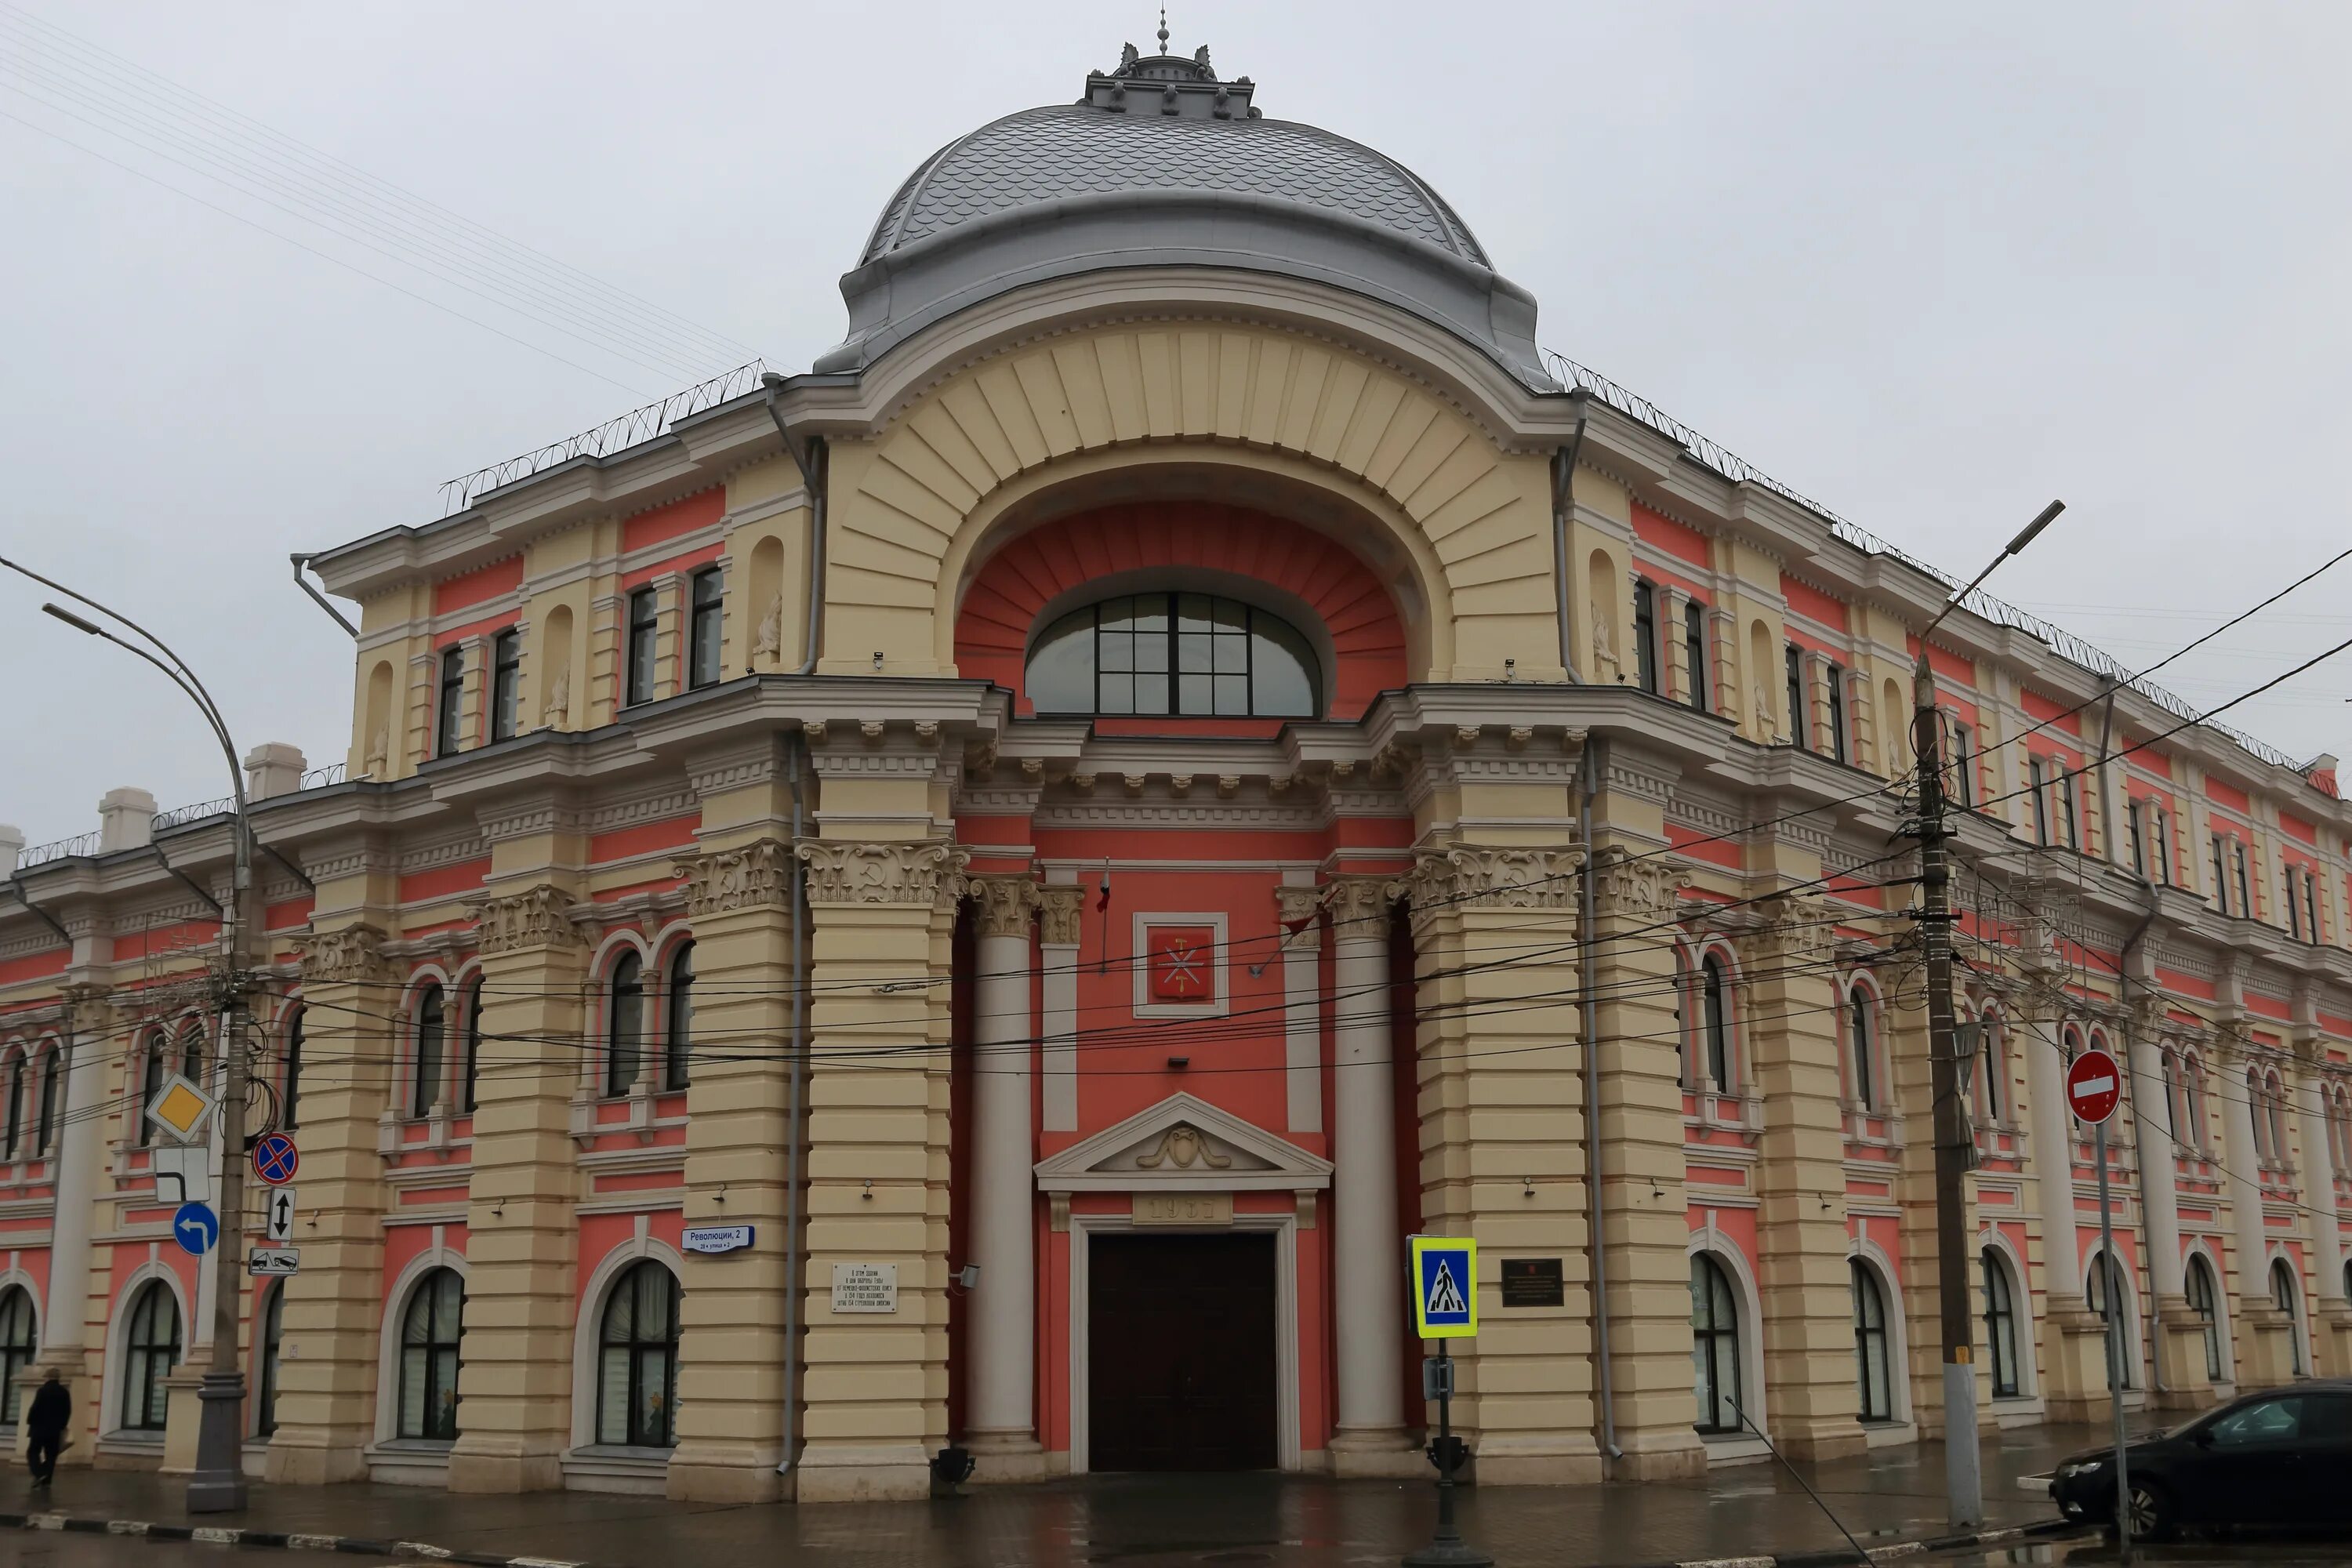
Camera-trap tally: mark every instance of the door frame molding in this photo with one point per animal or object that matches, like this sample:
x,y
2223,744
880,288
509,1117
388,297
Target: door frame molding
x,y
1284,1228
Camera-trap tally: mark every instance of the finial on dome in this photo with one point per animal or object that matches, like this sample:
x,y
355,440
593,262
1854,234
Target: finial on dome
x,y
1163,30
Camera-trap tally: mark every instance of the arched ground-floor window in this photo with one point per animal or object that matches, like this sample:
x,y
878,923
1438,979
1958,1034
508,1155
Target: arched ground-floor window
x,y
16,1345
1871,1372
2108,1283
2000,1324
1714,1345
2287,1293
636,1372
149,1355
429,1330
2196,1284
265,1393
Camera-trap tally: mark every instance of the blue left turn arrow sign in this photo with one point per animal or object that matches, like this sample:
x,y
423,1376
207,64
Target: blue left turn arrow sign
x,y
195,1228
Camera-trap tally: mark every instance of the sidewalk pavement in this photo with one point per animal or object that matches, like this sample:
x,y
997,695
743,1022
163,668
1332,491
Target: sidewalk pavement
x,y
1754,1510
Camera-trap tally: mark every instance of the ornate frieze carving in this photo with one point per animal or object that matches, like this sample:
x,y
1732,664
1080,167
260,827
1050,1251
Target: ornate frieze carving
x,y
884,873
1007,904
1643,889
352,955
1795,933
1467,876
540,917
1059,910
1359,907
755,876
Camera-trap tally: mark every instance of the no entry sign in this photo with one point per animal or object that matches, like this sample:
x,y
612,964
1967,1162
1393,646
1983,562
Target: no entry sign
x,y
2094,1083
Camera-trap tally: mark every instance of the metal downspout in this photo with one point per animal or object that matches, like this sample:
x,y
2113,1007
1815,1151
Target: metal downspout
x,y
796,1075
1563,504
1586,918
813,468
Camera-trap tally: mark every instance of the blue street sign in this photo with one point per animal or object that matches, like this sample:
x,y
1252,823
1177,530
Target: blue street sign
x,y
1444,1275
275,1159
195,1228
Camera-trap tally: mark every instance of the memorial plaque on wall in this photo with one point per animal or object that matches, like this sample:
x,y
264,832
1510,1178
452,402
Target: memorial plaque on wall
x,y
865,1287
1533,1283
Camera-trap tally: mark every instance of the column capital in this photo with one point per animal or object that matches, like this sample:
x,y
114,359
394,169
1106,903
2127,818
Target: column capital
x,y
1059,910
1639,888
1007,904
1297,908
538,917
885,873
1464,874
1359,906
1793,932
750,877
353,955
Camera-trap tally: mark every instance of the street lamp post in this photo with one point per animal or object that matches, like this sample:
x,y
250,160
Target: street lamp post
x,y
218,1485
1963,1479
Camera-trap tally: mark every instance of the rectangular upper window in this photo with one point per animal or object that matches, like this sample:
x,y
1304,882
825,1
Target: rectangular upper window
x,y
2220,877
1837,712
702,635
1645,637
1694,650
2037,788
1964,769
506,684
1798,723
450,710
644,621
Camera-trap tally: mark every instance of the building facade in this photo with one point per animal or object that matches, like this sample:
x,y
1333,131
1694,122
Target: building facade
x,y
975,896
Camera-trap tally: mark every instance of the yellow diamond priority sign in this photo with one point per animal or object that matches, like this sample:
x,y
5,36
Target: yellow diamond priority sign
x,y
181,1108
1444,1273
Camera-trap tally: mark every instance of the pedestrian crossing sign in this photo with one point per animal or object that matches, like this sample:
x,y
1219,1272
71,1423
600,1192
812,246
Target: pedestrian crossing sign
x,y
1444,1271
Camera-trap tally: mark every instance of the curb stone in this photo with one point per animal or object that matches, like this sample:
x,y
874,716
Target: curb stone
x,y
1844,1559
218,1535
222,1535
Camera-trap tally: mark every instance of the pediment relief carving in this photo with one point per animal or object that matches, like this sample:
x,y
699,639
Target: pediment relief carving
x,y
1184,1143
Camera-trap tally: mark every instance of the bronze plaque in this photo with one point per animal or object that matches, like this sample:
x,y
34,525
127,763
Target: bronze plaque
x,y
1533,1283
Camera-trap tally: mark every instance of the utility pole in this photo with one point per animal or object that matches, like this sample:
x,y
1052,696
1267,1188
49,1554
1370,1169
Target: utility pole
x,y
1963,1473
217,1483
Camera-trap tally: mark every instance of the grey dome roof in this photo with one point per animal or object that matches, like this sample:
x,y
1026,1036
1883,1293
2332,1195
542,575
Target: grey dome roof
x,y
1068,150
1163,164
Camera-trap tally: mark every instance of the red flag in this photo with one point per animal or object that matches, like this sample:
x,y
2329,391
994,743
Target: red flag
x,y
1102,901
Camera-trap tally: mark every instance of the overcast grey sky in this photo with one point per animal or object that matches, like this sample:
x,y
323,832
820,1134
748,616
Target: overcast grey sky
x,y
1932,265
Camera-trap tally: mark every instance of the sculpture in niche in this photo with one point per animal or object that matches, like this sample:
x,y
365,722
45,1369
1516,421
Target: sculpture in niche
x,y
1180,1145
768,643
379,753
558,700
1764,724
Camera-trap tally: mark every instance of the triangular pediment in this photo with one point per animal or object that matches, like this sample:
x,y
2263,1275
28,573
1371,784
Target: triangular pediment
x,y
1183,1144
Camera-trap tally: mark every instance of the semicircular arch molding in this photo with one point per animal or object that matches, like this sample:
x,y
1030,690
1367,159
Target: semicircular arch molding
x,y
1446,517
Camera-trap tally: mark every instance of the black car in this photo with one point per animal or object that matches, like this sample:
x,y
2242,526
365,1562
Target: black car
x,y
2280,1459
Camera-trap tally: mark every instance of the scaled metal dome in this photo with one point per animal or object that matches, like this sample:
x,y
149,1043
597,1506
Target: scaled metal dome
x,y
1160,163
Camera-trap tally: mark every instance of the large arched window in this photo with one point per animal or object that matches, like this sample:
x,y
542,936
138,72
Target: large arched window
x,y
1715,1022
192,1052
636,1372
16,1343
2000,1324
2286,1294
2192,1103
150,1353
431,1051
678,1017
273,1328
2196,1284
1187,655
1714,1345
624,1021
2107,1284
429,1330
1863,1047
1992,1068
1877,1385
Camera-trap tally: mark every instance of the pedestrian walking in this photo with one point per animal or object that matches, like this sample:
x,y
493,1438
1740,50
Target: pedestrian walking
x,y
45,1427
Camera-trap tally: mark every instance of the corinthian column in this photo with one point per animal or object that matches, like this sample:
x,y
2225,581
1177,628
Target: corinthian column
x,y
1367,1253
1001,1353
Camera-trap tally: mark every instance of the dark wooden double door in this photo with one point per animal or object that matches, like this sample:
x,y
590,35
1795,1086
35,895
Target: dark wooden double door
x,y
1179,1352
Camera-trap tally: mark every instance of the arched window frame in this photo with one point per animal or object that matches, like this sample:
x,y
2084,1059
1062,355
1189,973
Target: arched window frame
x,y
148,1066
267,1335
20,1340
1717,1353
1998,1278
1718,1022
428,1051
53,1094
2274,1106
2286,1295
15,1073
469,1037
2192,1102
1864,1055
1686,1013
152,1346
2201,1284
1992,1065
641,1361
626,997
677,1014
1164,654
427,1360
2096,1282
1873,1341
190,1047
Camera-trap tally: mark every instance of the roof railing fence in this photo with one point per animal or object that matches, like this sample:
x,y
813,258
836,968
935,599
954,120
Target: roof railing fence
x,y
615,435
1714,455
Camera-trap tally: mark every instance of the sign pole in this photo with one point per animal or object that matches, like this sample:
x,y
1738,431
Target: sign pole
x,y
1444,1272
2108,1293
